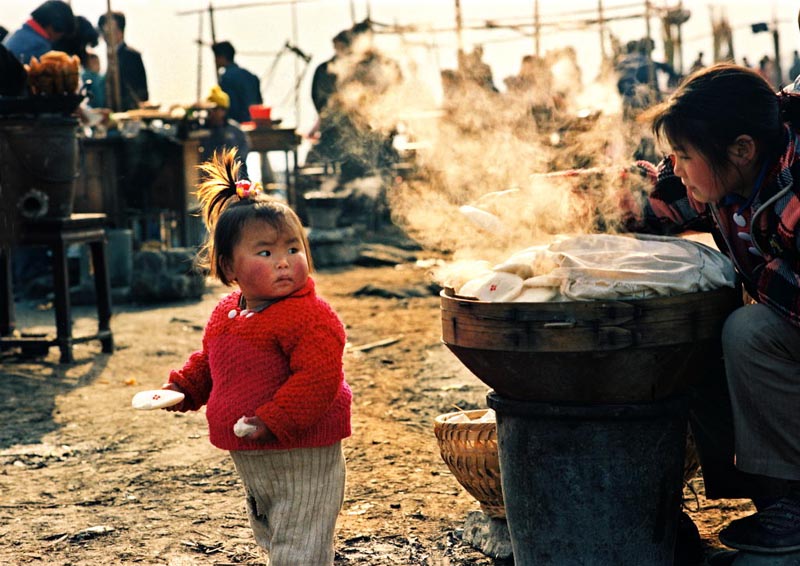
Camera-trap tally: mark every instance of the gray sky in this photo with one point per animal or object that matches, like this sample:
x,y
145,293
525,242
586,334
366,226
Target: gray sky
x,y
168,40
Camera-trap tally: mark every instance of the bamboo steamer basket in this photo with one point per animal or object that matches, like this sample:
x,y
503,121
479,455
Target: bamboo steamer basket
x,y
595,352
470,451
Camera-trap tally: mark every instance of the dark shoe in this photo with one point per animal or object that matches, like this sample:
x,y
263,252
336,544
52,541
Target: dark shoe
x,y
688,544
723,558
774,530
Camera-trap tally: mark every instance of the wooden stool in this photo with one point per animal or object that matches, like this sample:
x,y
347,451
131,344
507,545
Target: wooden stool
x,y
57,234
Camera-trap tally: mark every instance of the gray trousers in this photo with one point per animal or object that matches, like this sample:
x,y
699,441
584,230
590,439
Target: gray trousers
x,y
293,499
745,415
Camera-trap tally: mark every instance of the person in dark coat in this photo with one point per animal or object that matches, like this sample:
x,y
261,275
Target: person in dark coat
x,y
132,75
357,71
323,85
242,86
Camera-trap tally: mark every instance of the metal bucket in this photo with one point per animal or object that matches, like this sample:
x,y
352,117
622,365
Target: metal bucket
x,y
590,352
591,423
591,485
39,165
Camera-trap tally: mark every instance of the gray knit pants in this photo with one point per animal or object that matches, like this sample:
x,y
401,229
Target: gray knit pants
x,y
293,499
746,422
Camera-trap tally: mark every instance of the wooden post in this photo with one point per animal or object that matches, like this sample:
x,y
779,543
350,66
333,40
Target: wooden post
x,y
651,69
113,90
459,25
296,72
536,28
213,39
602,25
199,56
213,27
777,43
680,42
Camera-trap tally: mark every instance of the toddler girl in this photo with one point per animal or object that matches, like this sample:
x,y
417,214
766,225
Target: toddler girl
x,y
271,358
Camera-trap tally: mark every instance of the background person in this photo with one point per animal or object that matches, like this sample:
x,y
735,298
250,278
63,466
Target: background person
x,y
83,36
96,80
132,74
323,84
48,23
698,63
242,86
272,353
794,70
361,75
637,88
225,134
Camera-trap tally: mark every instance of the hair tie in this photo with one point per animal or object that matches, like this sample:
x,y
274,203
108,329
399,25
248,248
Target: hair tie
x,y
246,189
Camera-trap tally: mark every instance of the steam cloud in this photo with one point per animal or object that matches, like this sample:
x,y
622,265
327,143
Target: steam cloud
x,y
479,142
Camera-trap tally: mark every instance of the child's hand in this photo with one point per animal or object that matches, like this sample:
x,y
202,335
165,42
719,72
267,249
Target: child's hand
x,y
262,433
179,406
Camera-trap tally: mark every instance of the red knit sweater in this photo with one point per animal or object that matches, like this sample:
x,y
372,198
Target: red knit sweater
x,y
283,364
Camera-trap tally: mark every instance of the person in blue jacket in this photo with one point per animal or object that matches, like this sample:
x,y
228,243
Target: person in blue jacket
x,y
48,23
242,86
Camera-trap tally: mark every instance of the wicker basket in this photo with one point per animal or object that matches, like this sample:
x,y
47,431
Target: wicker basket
x,y
470,451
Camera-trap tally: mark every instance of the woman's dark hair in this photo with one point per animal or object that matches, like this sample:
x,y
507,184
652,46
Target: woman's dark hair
x,y
84,35
226,214
55,13
715,105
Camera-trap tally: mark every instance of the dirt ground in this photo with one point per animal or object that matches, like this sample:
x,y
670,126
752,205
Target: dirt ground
x,y
86,480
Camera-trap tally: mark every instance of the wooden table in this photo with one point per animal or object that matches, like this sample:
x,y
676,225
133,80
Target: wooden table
x,y
58,234
263,139
145,183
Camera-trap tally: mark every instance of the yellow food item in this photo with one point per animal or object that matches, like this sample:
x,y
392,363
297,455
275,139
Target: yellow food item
x,y
56,73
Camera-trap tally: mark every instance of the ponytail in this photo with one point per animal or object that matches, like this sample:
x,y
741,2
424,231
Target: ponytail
x,y
218,186
228,204
214,193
